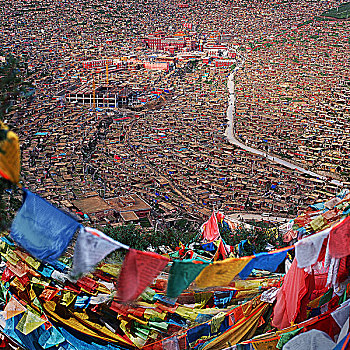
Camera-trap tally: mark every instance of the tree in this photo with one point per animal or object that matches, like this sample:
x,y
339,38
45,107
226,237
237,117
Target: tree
x,y
9,203
137,238
257,238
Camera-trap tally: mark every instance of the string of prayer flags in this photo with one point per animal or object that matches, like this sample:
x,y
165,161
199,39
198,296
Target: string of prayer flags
x,y
182,273
242,329
339,239
221,273
211,229
265,261
9,154
41,229
91,247
138,271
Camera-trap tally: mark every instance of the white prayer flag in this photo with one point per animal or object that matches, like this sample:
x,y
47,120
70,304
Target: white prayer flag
x,y
91,247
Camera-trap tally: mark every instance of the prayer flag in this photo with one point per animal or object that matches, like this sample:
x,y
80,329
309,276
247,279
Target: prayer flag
x,y
292,297
307,250
187,312
181,274
221,273
48,293
91,247
243,329
41,229
221,251
9,154
32,262
211,229
265,261
138,271
67,297
29,322
20,269
339,239
50,338
318,223
13,308
171,344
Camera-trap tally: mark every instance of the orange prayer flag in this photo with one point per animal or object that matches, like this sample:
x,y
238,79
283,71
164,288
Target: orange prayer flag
x,y
9,154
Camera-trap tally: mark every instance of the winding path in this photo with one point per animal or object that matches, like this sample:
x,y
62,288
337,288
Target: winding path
x,y
229,133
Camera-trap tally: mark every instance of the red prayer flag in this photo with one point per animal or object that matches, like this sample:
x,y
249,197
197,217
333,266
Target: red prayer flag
x,y
211,229
20,269
7,275
48,293
138,271
339,239
293,296
220,217
87,283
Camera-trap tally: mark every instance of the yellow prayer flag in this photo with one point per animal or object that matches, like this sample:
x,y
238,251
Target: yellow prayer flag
x,y
112,269
250,284
11,256
9,154
31,293
221,273
243,329
29,322
32,262
216,321
103,289
314,303
15,283
265,344
187,312
201,299
318,223
154,313
40,280
67,298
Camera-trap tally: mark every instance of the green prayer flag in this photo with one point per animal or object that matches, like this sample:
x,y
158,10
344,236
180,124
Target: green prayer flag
x,y
36,303
141,331
181,274
286,337
148,294
3,292
326,297
159,326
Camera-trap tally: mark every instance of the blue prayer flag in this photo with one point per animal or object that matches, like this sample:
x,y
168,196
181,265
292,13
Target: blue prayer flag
x,y
41,229
195,333
209,247
264,261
